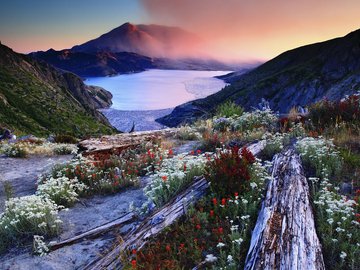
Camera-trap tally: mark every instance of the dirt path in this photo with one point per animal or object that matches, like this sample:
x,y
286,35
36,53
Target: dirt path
x,y
22,173
85,215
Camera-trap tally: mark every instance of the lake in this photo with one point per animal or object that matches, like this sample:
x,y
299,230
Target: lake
x,y
158,89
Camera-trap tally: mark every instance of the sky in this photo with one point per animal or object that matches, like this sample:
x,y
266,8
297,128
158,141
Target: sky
x,y
232,29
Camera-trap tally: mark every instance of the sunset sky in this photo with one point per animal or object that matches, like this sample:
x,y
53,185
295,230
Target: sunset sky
x,y
233,29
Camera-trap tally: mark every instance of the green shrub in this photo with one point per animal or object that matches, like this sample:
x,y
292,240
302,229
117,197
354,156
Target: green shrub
x,y
222,124
211,141
27,216
274,144
320,155
63,138
187,133
256,119
64,149
325,113
8,190
173,175
229,109
61,190
13,150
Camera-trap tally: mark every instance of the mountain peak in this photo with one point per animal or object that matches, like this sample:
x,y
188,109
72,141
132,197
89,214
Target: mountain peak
x,y
149,40
129,25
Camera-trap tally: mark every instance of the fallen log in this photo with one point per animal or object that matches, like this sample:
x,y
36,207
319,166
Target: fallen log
x,y
152,225
256,148
284,236
114,144
94,232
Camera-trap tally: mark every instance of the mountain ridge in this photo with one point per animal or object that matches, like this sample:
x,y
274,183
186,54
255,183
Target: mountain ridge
x,y
298,77
133,48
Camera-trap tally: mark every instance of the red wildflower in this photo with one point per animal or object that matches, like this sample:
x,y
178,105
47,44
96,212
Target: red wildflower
x,y
357,215
198,152
184,167
214,201
171,152
134,251
236,194
223,201
192,152
133,263
247,155
220,230
211,213
198,226
168,248
164,178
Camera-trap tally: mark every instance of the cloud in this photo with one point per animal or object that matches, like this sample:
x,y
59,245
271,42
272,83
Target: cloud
x,y
256,28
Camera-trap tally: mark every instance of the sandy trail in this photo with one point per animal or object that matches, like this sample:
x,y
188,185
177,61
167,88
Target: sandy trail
x,y
87,214
22,173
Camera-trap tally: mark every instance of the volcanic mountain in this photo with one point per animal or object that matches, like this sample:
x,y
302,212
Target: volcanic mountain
x,y
133,48
150,40
298,77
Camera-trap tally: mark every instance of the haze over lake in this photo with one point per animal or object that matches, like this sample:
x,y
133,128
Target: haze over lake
x,y
159,89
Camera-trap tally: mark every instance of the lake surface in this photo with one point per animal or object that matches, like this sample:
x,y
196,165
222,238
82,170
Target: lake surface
x,y
158,89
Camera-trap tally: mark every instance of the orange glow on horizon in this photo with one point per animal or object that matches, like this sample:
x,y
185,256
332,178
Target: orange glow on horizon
x,y
232,30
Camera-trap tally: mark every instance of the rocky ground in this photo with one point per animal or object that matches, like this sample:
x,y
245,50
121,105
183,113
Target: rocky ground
x,y
22,173
85,215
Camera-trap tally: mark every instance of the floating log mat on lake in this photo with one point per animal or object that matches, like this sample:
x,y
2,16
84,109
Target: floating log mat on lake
x,y
284,236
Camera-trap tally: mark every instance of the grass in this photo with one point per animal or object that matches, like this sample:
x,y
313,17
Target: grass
x,y
30,106
229,109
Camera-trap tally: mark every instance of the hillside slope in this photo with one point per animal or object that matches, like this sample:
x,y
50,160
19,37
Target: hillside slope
x,y
37,98
298,77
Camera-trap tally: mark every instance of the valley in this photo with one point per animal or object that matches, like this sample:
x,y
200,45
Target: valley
x,y
206,135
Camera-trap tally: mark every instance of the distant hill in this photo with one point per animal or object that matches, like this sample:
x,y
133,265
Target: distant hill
x,y
298,77
36,98
97,63
133,48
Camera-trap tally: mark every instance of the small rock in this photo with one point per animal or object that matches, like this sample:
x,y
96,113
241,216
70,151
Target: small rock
x,y
117,171
346,188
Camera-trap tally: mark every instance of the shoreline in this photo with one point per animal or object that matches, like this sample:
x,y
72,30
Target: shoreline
x,y
123,120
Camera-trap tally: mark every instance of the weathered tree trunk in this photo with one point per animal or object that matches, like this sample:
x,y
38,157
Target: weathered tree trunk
x,y
256,148
114,144
94,232
153,225
284,236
